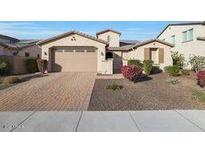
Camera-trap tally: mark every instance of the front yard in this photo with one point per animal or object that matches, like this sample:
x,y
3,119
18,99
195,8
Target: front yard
x,y
154,94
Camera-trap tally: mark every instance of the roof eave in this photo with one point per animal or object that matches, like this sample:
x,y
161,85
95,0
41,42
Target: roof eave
x,y
181,24
107,30
67,34
153,40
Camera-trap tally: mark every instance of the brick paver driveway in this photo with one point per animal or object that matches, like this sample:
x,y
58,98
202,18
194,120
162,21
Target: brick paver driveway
x,y
57,91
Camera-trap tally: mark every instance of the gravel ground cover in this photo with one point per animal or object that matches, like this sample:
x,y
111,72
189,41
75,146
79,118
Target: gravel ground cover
x,y
153,94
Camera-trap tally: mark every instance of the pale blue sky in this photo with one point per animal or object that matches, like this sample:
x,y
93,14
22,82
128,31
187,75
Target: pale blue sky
x,y
133,30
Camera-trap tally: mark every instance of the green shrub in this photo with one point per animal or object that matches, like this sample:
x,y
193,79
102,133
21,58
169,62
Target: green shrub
x,y
197,63
185,72
5,66
11,80
178,59
135,62
114,87
147,64
31,65
155,69
172,70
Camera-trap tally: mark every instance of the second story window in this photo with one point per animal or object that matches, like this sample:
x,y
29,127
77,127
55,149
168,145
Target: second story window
x,y
173,39
108,39
187,35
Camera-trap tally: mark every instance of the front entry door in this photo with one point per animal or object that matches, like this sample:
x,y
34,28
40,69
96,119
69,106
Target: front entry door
x,y
153,55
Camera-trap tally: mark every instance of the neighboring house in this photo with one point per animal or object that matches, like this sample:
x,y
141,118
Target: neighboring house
x,y
10,46
188,38
7,46
78,52
29,48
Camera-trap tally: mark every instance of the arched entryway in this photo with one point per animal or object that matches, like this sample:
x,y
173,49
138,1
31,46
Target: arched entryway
x,y
108,55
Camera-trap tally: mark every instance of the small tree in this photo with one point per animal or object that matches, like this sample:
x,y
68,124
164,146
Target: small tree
x,y
197,63
178,59
5,67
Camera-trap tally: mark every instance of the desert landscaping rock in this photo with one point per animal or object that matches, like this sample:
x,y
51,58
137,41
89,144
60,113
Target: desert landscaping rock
x,y
154,94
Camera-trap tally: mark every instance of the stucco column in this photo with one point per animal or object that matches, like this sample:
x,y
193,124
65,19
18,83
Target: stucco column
x,y
47,56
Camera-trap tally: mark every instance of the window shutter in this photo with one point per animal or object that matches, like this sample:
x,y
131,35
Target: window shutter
x,y
161,55
146,54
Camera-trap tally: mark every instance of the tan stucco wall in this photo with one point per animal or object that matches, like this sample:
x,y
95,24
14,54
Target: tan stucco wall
x,y
80,41
17,64
195,47
107,66
114,38
32,50
138,53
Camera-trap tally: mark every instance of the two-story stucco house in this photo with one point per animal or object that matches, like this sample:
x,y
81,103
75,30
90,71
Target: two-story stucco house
x,y
188,38
74,51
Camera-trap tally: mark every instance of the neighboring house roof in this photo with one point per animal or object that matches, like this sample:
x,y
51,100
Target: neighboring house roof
x,y
129,47
201,38
70,33
8,37
182,24
107,30
7,45
26,43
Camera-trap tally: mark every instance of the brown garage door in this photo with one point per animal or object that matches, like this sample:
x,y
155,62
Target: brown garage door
x,y
75,59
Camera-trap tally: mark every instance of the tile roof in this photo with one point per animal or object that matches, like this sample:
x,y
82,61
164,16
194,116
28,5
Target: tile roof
x,y
19,45
70,33
8,37
107,30
8,45
153,40
129,41
129,47
122,48
26,43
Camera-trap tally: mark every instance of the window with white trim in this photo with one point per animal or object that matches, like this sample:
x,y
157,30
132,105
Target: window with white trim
x,y
108,38
187,35
173,39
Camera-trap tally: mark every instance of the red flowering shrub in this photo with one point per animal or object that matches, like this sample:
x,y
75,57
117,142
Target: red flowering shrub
x,y
132,72
201,78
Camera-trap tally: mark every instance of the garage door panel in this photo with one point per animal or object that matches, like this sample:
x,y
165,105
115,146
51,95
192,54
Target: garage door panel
x,y
75,61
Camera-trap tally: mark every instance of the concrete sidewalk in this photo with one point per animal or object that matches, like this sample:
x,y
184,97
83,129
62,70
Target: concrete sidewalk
x,y
103,121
